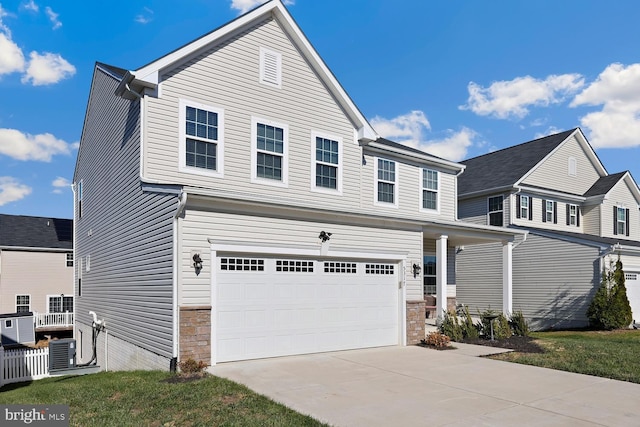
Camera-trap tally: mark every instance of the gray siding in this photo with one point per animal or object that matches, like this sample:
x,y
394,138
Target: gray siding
x,y
536,221
620,195
473,210
553,280
591,219
554,172
126,232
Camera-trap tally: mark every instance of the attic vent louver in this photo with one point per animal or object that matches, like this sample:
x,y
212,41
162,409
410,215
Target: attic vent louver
x,y
270,68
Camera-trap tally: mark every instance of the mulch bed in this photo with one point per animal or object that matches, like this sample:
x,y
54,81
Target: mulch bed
x,y
515,343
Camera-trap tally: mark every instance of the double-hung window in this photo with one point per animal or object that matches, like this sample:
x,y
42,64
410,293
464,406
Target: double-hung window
x,y
550,211
327,158
201,139
429,189
620,221
386,182
23,303
269,154
496,213
572,215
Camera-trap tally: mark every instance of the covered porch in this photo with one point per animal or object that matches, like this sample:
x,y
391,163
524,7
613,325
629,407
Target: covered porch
x,y
441,244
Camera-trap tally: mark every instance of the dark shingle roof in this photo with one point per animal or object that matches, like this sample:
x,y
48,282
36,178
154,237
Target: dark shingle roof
x,y
604,184
505,167
116,71
36,232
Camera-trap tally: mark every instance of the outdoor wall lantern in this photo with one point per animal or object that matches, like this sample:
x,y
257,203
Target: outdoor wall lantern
x,y
197,262
416,270
324,236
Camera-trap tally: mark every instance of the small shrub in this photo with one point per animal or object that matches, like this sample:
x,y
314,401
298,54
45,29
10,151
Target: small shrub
x,y
450,326
190,366
610,307
469,329
437,340
519,324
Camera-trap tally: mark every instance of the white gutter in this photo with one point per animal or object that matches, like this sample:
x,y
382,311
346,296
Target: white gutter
x,y
182,202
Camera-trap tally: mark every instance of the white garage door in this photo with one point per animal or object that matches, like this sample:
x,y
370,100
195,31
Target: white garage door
x,y
268,307
632,283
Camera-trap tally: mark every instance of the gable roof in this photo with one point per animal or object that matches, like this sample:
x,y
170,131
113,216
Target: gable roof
x,y
35,232
604,184
489,172
148,76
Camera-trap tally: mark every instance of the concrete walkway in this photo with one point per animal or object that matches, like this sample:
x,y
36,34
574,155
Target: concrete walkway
x,y
415,386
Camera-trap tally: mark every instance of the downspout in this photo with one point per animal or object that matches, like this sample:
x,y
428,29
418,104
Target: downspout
x,y
455,196
182,202
75,267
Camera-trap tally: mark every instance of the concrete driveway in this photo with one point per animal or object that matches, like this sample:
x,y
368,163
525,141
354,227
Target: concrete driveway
x,y
408,386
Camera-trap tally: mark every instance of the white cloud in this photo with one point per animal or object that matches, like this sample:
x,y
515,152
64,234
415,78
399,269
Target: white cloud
x,y
31,5
549,131
11,57
23,146
53,17
246,5
513,98
11,190
411,129
47,68
60,184
145,17
617,124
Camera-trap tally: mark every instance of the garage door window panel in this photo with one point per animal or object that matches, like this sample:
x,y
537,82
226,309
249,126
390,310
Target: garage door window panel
x,y
241,264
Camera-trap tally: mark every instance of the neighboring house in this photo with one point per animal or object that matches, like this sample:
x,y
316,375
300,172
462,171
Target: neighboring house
x,y
579,219
36,267
231,202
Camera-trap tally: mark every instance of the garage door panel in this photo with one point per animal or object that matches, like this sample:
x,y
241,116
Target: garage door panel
x,y
283,310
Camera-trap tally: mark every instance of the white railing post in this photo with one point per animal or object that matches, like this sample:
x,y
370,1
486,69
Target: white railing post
x,y
1,366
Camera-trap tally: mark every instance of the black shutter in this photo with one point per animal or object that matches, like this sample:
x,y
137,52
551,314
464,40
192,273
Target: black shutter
x,y
615,220
544,210
555,212
568,214
517,206
628,221
578,216
530,208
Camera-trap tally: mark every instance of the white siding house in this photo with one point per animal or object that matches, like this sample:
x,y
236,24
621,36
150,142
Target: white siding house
x,y
234,204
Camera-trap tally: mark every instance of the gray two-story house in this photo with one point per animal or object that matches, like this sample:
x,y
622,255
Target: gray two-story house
x,y
232,202
580,218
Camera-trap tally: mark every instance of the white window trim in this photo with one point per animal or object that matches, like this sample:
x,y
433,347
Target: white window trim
x,y
87,263
573,217
420,184
528,208
15,301
548,211
626,220
396,187
182,117
314,187
278,57
254,153
61,301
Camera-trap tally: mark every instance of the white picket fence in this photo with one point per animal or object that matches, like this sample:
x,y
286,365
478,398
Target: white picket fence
x,y
18,365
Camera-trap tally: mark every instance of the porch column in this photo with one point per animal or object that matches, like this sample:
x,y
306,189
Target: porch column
x,y
441,276
507,278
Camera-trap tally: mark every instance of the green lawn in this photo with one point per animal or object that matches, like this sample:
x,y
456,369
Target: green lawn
x,y
613,354
147,398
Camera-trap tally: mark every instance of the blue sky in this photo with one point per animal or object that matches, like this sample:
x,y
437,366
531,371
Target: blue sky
x,y
454,78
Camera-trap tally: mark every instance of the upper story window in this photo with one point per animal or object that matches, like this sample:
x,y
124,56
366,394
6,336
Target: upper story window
x,y
523,207
270,68
60,304
620,221
496,213
327,162
23,303
69,259
201,139
386,182
573,215
79,196
549,211
429,189
269,161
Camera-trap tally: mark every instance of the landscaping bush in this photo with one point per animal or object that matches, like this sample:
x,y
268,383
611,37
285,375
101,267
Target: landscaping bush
x,y
469,329
450,326
190,366
519,325
610,308
437,340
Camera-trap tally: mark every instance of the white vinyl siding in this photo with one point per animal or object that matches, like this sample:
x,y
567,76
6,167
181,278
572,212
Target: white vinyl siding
x,y
546,175
620,197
